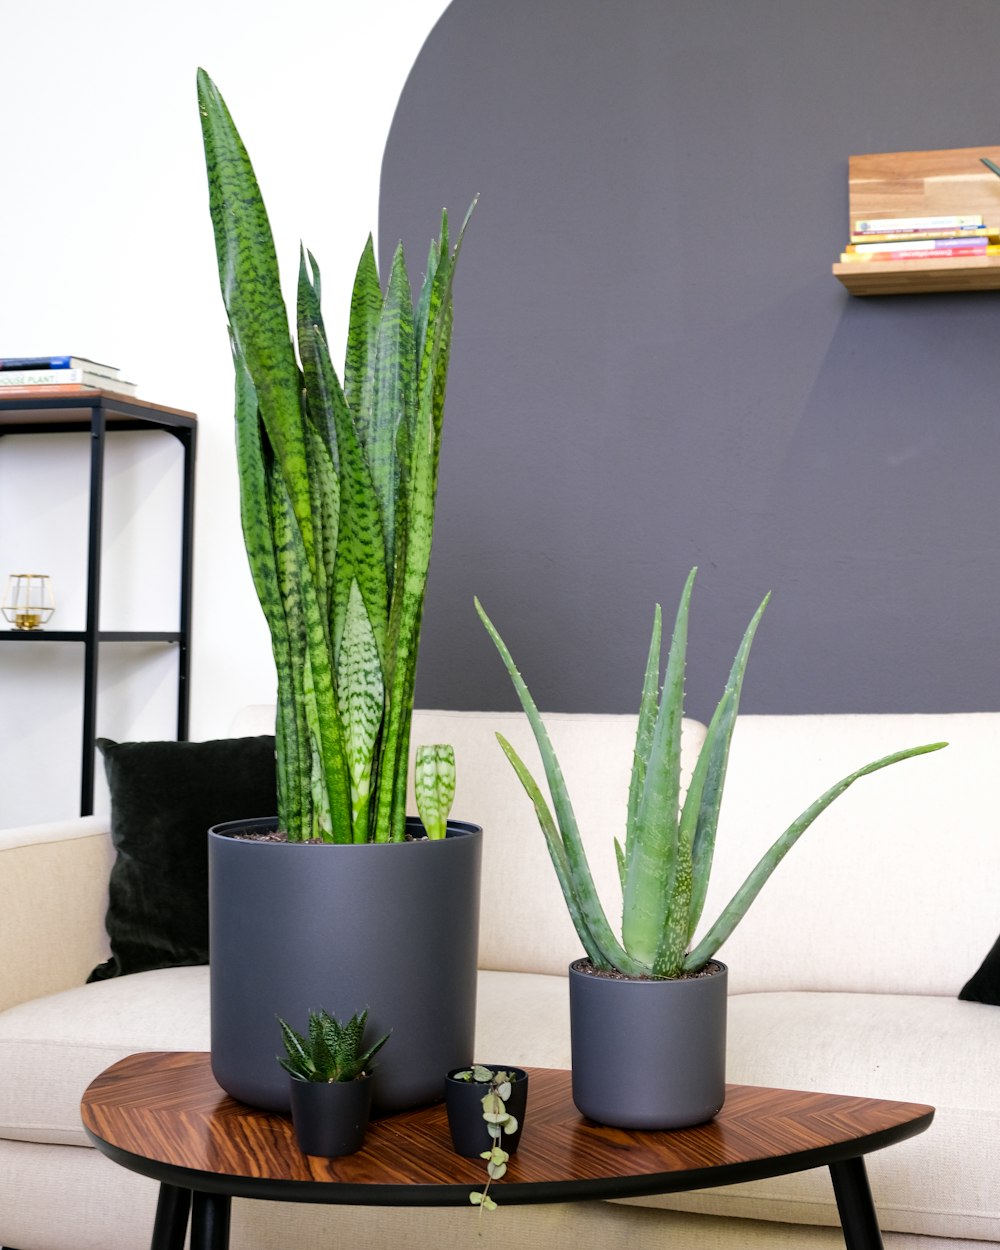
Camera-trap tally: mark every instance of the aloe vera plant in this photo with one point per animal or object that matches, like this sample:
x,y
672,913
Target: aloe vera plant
x,y
337,488
665,863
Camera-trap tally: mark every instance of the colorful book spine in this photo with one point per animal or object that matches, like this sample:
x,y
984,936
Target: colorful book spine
x,y
940,253
890,225
920,245
904,236
65,391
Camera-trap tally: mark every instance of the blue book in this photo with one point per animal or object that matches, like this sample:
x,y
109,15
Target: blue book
x,y
57,362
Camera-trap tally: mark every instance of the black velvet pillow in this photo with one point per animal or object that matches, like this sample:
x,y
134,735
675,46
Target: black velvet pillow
x,y
164,797
984,985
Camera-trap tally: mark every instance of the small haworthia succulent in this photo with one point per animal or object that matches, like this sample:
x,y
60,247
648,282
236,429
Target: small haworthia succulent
x,y
333,1051
666,861
434,784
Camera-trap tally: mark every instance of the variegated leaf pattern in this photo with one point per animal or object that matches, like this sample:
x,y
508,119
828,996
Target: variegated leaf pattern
x,y
337,491
362,341
434,785
360,695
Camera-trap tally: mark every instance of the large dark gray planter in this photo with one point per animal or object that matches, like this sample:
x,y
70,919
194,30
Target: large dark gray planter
x,y
648,1054
393,927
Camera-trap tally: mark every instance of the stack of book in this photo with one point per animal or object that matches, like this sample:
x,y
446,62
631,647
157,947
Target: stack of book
x,y
21,376
921,238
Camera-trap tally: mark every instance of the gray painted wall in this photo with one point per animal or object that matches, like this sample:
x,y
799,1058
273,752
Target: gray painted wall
x,y
653,366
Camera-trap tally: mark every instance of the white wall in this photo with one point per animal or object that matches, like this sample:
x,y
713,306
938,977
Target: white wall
x,y
106,251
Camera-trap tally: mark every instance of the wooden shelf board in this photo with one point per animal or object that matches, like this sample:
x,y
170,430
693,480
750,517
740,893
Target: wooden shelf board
x,y
911,277
917,184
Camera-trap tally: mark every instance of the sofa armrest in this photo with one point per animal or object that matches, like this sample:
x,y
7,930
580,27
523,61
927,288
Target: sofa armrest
x,y
53,899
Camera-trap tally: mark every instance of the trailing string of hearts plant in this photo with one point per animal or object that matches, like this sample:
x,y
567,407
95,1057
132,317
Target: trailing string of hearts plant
x,y
498,1121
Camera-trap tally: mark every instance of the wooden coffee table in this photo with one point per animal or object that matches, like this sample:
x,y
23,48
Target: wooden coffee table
x,y
162,1114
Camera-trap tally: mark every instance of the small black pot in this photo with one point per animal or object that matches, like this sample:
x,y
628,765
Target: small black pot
x,y
330,1117
464,1103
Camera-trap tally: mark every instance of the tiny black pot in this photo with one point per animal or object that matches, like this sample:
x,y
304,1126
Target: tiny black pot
x,y
464,1103
330,1117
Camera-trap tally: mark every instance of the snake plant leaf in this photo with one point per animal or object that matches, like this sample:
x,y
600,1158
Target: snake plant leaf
x,y
313,686
254,471
361,701
393,399
362,341
434,785
411,581
655,871
734,911
360,545
251,292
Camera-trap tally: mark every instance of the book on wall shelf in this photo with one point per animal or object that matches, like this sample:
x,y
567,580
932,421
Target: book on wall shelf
x,y
52,376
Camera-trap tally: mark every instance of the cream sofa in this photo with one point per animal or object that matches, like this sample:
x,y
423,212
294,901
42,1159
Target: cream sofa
x,y
843,977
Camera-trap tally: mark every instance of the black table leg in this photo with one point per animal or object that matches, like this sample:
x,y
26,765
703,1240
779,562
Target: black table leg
x,y
210,1221
854,1202
171,1223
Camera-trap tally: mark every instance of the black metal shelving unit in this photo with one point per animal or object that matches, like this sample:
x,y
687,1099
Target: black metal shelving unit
x,y
103,413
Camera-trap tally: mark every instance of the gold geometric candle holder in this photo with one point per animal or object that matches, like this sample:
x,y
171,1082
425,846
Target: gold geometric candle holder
x,y
28,602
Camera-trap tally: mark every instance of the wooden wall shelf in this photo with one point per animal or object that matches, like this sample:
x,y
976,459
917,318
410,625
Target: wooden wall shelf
x,y
901,184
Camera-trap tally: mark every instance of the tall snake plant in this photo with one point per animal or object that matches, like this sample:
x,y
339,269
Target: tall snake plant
x,y
665,864
337,490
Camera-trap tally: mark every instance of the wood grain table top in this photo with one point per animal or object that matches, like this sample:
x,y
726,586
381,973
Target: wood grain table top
x,y
163,1115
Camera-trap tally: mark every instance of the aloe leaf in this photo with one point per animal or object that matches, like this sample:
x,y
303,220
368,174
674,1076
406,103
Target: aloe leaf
x,y
654,870
251,292
361,702
571,862
362,332
735,910
700,817
434,784
644,730
585,910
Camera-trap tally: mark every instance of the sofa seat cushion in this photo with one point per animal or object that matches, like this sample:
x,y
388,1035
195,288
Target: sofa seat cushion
x,y
911,1048
52,1048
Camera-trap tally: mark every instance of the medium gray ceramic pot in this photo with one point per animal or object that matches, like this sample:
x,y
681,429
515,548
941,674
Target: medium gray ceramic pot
x,y
296,927
648,1054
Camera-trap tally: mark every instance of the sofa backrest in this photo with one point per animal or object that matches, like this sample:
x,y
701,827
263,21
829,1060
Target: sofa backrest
x,y
895,887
